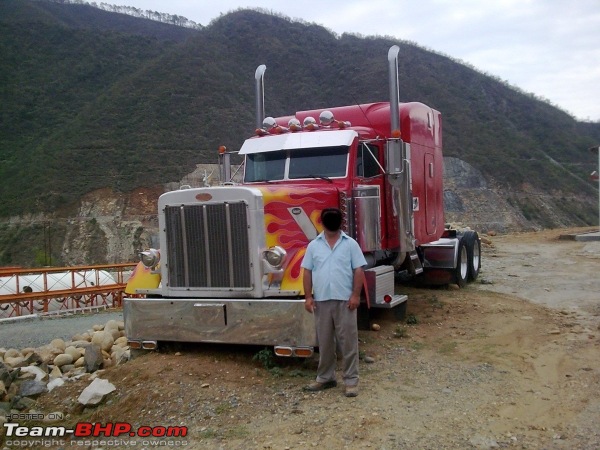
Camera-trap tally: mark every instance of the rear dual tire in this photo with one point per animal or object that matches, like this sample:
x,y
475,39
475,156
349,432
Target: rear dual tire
x,y
468,262
473,254
461,271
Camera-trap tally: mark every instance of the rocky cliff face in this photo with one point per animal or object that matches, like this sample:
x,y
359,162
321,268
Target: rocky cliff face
x,y
107,227
471,200
486,204
104,228
111,227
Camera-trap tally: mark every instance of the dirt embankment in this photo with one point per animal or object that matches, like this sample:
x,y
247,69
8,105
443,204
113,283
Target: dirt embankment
x,y
515,364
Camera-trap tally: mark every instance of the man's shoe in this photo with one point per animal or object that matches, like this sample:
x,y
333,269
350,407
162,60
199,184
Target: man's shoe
x,y
316,386
351,391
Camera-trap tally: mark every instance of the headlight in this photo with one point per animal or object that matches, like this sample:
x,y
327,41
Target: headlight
x,y
150,258
275,256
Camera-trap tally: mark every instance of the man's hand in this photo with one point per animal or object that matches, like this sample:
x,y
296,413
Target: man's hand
x,y
357,285
354,301
309,304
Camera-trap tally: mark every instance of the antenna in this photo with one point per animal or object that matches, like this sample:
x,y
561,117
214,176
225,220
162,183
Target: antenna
x,y
361,110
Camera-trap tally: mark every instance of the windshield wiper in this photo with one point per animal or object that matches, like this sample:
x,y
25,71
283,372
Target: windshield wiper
x,y
322,177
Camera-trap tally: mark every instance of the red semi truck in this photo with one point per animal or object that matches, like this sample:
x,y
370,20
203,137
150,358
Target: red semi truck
x,y
228,269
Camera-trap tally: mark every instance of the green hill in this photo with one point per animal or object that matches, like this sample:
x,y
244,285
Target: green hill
x,y
92,99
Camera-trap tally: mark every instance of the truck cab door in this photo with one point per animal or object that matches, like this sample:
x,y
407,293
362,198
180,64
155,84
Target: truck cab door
x,y
369,173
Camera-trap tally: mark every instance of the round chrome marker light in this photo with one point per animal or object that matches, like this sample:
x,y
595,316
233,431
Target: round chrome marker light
x,y
294,124
309,121
326,118
269,123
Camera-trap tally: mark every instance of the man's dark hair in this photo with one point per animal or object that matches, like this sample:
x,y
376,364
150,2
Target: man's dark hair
x,y
331,218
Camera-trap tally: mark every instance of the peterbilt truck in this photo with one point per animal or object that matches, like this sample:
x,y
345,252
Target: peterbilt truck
x,y
229,265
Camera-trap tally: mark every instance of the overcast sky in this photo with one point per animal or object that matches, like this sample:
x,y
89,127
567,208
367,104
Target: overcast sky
x,y
548,47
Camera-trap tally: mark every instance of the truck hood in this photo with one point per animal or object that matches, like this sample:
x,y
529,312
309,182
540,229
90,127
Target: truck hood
x,y
292,220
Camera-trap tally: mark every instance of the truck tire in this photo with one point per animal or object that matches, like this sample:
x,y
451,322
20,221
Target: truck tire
x,y
461,271
473,254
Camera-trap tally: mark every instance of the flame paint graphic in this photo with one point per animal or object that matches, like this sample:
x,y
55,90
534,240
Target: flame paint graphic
x,y
284,231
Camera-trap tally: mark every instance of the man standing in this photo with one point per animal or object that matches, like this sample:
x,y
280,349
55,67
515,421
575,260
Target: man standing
x,y
333,279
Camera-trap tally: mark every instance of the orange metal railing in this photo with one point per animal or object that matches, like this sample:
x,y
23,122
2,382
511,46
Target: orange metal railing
x,y
77,287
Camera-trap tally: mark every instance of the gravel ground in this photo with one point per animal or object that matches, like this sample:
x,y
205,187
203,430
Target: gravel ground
x,y
40,330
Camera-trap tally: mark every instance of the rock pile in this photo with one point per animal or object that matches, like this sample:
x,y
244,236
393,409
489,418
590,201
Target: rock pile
x,y
28,373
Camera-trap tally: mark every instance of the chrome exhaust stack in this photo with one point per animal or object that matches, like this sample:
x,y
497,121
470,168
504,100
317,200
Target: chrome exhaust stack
x,y
259,77
394,89
398,163
224,156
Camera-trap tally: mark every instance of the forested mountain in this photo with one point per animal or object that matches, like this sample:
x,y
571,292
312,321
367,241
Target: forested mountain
x,y
92,99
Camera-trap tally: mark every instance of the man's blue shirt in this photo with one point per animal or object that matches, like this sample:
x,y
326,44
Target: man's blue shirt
x,y
333,269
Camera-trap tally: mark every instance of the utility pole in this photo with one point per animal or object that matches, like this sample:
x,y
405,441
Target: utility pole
x,y
596,175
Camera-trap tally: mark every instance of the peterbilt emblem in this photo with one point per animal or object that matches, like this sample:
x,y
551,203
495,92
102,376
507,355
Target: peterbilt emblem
x,y
203,197
296,211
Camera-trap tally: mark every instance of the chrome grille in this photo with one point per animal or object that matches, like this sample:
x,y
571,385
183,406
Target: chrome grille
x,y
207,246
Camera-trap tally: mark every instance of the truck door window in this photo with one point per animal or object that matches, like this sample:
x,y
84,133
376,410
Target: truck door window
x,y
366,160
318,162
265,166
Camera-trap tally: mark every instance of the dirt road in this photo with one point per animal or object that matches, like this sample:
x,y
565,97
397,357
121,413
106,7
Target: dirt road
x,y
511,364
547,269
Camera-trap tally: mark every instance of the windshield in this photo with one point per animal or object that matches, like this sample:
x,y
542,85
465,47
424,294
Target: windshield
x,y
322,162
265,166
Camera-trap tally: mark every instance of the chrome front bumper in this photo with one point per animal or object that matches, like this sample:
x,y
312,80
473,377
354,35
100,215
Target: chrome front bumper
x,y
271,322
